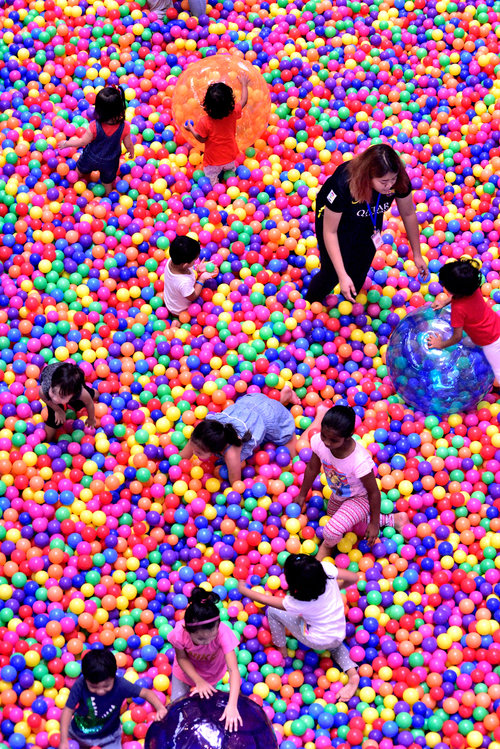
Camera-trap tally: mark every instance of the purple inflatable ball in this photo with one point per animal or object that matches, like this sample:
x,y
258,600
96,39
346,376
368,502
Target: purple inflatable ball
x,y
193,723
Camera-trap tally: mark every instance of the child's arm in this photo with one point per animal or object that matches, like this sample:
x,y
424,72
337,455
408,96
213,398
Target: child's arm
x,y
127,142
150,696
439,305
199,284
189,125
232,456
66,716
76,142
201,687
434,340
89,405
274,601
244,80
371,486
231,714
346,578
312,470
187,451
59,410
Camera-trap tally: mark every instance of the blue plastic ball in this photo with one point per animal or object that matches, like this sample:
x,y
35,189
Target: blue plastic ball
x,y
433,380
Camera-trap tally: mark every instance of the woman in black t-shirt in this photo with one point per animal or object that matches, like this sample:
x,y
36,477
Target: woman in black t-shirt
x,y
350,209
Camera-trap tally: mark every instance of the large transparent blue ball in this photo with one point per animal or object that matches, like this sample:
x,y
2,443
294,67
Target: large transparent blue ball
x,y
432,380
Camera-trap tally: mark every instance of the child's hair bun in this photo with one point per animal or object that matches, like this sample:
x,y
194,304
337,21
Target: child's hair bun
x,y
203,597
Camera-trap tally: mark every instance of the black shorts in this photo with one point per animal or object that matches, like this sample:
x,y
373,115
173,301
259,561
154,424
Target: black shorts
x,y
75,404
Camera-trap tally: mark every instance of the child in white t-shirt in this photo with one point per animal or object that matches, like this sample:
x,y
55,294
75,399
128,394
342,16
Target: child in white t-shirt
x,y
181,286
355,501
313,612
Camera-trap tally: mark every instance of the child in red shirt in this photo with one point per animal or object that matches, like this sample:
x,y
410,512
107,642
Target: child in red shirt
x,y
217,129
462,279
102,143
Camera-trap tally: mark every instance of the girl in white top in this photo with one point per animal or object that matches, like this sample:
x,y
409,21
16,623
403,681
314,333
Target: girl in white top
x,y
354,504
313,611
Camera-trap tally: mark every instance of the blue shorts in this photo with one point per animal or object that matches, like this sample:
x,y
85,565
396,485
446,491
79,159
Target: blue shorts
x,y
108,172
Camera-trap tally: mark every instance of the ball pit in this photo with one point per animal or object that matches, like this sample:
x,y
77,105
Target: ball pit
x,y
191,87
432,380
102,536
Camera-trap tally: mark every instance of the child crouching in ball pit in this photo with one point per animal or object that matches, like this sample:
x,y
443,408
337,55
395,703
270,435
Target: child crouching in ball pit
x,y
462,280
217,129
181,285
91,716
63,385
313,612
354,504
205,648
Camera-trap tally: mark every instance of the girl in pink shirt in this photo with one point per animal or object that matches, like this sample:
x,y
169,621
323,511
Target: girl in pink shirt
x,y
354,504
205,648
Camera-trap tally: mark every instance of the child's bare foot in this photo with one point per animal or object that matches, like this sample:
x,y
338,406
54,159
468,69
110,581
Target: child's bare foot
x,y
349,689
175,324
400,520
284,651
316,424
288,396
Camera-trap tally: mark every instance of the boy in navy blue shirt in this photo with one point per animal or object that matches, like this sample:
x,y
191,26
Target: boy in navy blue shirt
x,y
92,712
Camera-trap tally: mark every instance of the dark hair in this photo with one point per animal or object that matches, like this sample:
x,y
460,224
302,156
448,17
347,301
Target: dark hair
x,y
342,419
219,101
68,379
184,250
374,163
201,606
215,436
461,277
305,576
98,665
110,105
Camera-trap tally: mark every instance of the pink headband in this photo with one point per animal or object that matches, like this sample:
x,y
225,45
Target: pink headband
x,y
205,621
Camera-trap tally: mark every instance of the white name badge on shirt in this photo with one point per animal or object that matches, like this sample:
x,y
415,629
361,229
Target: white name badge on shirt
x,y
377,239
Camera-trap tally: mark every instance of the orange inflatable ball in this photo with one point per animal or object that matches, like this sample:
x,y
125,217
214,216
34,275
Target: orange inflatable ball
x,y
187,101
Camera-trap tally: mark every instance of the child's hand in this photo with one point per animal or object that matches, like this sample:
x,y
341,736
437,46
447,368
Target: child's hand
x,y
439,304
301,500
160,713
232,718
189,125
244,79
204,689
243,588
422,268
434,340
91,422
372,532
60,415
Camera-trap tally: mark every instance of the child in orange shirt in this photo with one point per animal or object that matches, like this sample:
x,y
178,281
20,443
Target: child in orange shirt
x,y
217,129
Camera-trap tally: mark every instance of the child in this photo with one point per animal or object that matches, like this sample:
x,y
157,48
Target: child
x,y
205,648
348,468
469,312
217,129
63,384
92,712
102,141
181,286
242,427
313,612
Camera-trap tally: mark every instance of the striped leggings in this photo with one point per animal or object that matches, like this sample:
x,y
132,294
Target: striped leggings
x,y
280,620
351,514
